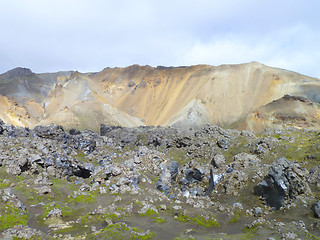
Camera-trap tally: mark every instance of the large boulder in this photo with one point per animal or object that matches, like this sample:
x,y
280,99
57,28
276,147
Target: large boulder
x,y
86,145
284,181
193,175
314,175
235,181
12,131
51,132
223,143
213,181
316,209
104,129
168,175
245,160
265,145
1,128
83,171
74,131
218,161
21,232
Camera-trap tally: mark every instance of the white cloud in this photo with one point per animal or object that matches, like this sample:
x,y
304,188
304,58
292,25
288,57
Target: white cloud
x,y
293,48
89,35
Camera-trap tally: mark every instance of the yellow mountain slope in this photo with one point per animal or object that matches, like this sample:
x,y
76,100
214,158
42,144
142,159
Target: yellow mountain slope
x,y
227,95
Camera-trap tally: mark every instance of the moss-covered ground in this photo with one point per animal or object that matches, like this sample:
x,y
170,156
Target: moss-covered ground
x,y
81,218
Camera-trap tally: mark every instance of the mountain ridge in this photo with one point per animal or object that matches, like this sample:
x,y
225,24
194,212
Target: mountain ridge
x,y
185,96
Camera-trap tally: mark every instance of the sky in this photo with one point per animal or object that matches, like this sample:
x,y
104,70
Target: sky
x,y
89,35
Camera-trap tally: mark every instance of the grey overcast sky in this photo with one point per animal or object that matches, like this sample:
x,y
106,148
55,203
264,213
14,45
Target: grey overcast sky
x,y
89,35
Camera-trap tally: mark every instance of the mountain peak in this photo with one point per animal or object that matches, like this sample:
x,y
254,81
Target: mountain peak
x,y
18,72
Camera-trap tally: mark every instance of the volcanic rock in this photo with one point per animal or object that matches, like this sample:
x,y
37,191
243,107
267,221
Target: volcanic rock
x,y
284,181
316,209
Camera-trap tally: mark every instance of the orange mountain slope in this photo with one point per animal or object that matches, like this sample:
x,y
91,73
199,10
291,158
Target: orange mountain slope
x,y
227,95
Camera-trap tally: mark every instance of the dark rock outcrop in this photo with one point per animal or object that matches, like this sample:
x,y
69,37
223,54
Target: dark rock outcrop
x,y
74,131
194,175
86,145
12,131
214,179
168,175
223,143
284,181
314,175
51,132
316,209
104,129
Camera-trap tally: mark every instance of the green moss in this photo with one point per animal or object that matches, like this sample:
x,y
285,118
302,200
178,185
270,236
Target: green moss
x,y
128,148
64,184
83,198
89,219
32,238
117,226
142,139
144,236
206,222
141,234
138,203
238,146
149,212
159,220
112,216
182,218
122,231
66,211
83,224
183,237
19,178
250,233
235,218
297,146
12,216
120,209
312,236
4,185
82,157
200,220
115,231
32,196
178,155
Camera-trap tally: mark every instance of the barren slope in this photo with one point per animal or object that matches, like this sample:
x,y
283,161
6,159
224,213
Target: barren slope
x,y
227,95
222,95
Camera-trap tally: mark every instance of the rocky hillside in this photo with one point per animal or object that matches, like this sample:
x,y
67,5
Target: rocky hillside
x,y
245,96
159,183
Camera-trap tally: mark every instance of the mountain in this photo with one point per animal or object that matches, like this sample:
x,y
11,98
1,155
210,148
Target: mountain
x,y
245,96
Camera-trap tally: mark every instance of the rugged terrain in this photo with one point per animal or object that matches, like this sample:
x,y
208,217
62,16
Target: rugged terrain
x,y
81,157
244,96
159,183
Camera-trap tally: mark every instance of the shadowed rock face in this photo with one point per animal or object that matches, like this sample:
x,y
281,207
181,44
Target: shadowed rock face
x,y
285,181
245,96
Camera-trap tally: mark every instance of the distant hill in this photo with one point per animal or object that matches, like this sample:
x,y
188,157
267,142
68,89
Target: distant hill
x,y
245,96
